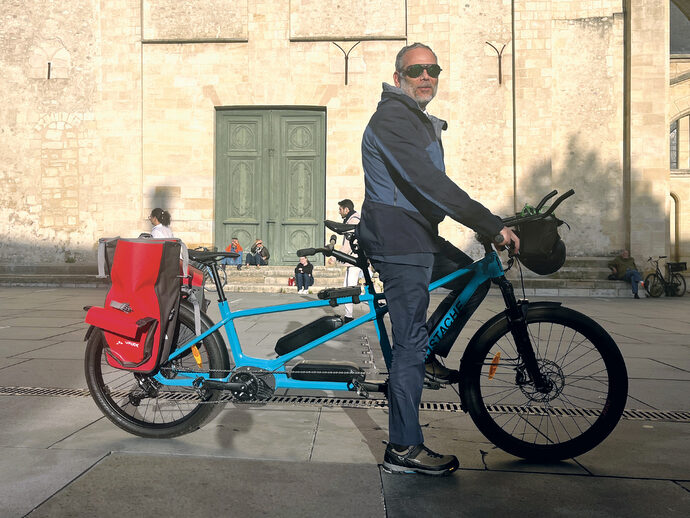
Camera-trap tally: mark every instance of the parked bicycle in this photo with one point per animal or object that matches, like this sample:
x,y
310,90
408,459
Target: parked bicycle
x,y
672,284
539,380
209,282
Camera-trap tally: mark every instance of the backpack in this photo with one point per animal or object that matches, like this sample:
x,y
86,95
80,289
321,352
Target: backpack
x,y
140,311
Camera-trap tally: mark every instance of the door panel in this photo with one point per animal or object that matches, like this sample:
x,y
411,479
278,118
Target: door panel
x,y
270,180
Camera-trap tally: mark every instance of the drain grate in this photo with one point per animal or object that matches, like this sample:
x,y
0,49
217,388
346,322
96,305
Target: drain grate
x,y
340,402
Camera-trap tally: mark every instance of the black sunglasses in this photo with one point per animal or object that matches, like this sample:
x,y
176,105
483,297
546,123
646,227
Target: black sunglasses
x,y
416,70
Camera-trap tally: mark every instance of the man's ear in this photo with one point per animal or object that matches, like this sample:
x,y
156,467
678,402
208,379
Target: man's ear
x,y
396,78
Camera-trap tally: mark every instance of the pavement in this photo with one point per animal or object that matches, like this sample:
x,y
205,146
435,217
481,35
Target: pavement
x,y
60,457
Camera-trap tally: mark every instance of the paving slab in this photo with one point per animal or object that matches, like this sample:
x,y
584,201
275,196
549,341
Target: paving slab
x,y
475,493
41,422
33,333
642,449
10,348
646,368
60,373
238,431
67,350
29,477
196,486
658,394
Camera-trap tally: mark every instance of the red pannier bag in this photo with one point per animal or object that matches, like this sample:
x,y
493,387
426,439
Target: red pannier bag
x,y
140,313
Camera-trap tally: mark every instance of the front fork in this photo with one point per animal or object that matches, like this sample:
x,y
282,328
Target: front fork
x,y
516,311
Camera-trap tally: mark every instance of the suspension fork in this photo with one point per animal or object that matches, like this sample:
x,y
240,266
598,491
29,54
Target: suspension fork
x,y
517,313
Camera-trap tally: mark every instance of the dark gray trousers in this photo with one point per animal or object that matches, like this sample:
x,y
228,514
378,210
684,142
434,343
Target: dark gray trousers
x,y
407,296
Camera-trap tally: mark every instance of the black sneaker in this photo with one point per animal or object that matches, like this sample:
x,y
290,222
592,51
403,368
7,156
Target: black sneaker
x,y
434,371
347,319
418,459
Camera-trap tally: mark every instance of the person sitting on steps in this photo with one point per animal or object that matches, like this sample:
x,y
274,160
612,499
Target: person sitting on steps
x,y
303,275
259,255
623,268
234,246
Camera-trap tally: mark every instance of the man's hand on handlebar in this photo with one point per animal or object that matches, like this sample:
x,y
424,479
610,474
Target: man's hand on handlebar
x,y
508,238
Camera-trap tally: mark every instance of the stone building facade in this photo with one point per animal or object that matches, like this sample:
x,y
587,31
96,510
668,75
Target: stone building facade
x,y
246,116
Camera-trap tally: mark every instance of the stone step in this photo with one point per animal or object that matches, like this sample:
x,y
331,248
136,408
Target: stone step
x,y
580,276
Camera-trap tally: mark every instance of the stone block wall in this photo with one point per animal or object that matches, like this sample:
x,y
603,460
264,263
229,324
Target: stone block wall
x,y
127,120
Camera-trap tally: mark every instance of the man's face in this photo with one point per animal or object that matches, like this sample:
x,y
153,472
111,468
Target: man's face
x,y
423,88
625,254
343,211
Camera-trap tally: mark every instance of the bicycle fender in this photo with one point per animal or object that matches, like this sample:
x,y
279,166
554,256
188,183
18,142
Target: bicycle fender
x,y
88,332
496,320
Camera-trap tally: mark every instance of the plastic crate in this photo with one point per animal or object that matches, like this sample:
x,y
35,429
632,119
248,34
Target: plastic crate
x,y
677,267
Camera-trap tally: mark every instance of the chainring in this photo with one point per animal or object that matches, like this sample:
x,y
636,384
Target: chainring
x,y
260,384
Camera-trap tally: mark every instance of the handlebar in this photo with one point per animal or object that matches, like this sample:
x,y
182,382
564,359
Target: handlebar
x,y
517,219
329,251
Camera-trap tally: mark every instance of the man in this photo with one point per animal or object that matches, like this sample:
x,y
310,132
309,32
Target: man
x,y
623,268
234,246
259,255
350,216
407,194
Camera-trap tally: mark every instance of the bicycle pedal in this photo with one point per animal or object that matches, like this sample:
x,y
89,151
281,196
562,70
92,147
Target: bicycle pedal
x,y
432,385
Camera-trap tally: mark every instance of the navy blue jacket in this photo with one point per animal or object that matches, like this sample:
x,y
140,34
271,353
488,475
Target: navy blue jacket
x,y
407,192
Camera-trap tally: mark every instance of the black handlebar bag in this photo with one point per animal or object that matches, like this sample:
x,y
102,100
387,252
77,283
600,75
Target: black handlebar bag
x,y
140,313
541,248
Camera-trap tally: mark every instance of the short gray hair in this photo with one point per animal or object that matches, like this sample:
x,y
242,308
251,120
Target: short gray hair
x,y
404,50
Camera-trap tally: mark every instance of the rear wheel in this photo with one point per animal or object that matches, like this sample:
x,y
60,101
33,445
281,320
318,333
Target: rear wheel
x,y
586,390
654,285
678,282
140,405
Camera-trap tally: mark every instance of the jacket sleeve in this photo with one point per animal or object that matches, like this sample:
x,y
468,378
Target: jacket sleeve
x,y
419,173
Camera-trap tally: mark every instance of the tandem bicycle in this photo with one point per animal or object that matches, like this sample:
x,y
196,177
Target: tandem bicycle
x,y
539,380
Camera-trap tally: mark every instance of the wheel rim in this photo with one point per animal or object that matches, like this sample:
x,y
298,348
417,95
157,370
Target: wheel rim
x,y
576,397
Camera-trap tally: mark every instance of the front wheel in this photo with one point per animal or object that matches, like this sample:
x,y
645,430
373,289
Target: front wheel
x,y
140,405
654,285
678,283
584,397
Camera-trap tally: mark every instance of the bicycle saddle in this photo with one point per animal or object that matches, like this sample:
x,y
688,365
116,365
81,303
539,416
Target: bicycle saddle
x,y
339,228
207,257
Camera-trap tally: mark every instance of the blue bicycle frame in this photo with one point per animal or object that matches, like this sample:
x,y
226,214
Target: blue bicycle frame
x,y
489,267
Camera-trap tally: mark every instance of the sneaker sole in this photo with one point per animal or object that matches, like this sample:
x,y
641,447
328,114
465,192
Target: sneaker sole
x,y
405,470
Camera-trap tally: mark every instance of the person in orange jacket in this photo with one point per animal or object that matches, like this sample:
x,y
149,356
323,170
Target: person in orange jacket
x,y
234,246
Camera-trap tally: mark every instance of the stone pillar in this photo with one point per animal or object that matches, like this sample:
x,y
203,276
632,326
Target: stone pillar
x,y
649,127
684,143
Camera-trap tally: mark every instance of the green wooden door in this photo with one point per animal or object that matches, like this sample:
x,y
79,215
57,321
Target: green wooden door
x,y
270,179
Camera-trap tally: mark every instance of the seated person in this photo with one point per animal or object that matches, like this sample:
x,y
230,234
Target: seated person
x,y
623,268
259,255
303,275
234,246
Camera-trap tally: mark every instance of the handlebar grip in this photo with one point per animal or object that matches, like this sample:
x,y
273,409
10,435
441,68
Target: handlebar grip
x,y
303,252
